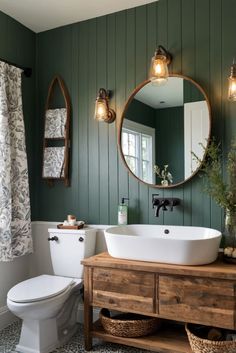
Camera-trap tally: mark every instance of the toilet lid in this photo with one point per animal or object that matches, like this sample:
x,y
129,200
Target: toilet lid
x,y
39,288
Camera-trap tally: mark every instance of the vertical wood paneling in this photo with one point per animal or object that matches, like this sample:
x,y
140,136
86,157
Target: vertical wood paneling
x,y
103,127
216,89
162,23
133,215
174,34
162,37
56,55
112,148
141,44
188,69
141,74
83,113
151,32
201,204
229,52
93,154
175,47
114,51
74,165
152,43
121,72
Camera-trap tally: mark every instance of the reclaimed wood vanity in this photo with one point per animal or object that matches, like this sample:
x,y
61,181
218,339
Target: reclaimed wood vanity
x,y
197,294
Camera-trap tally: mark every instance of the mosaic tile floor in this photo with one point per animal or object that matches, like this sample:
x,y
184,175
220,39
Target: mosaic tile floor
x,y
9,337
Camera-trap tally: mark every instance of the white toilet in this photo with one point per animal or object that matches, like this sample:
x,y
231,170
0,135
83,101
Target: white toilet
x,y
48,304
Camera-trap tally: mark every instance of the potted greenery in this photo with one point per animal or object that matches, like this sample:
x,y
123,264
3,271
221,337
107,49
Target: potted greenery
x,y
163,174
222,188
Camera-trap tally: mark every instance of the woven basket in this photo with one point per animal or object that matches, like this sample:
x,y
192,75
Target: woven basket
x,y
201,345
128,325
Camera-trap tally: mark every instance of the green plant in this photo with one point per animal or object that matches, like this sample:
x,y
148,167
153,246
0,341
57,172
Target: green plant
x,y
163,174
222,190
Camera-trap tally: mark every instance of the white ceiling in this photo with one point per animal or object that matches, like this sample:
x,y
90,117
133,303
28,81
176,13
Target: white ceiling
x,y
171,94
47,14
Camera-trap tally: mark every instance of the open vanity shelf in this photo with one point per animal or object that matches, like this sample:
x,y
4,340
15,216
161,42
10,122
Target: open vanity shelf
x,y
195,294
169,338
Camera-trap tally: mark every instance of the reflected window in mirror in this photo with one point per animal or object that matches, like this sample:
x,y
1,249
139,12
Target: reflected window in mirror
x,y
138,143
178,114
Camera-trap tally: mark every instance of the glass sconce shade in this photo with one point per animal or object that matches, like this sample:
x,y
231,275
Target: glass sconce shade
x,y
232,83
159,66
102,110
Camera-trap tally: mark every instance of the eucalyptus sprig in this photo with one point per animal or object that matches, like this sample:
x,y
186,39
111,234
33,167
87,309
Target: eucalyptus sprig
x,y
163,174
221,190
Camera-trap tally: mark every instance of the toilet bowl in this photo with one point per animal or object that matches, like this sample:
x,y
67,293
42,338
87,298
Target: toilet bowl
x,y
48,304
38,302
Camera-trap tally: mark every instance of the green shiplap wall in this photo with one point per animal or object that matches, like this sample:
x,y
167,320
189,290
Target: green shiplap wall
x,y
114,52
141,113
17,45
170,137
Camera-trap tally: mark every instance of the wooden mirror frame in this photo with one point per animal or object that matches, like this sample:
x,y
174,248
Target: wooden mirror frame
x,y
120,123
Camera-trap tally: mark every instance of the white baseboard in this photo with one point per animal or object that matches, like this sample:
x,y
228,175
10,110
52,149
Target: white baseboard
x,y
80,314
6,317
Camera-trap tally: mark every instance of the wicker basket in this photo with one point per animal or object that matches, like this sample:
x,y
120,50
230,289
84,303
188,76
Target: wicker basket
x,y
128,325
201,345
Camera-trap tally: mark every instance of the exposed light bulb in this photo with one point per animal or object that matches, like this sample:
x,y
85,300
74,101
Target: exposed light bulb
x,y
159,66
102,110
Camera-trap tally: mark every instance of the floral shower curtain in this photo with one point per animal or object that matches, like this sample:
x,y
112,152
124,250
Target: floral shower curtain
x,y
15,223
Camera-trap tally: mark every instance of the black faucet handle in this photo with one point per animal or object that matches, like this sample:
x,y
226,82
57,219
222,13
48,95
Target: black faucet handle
x,y
154,200
54,238
174,202
159,203
165,202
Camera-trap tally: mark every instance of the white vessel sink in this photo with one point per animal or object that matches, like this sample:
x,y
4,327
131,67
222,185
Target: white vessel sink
x,y
167,244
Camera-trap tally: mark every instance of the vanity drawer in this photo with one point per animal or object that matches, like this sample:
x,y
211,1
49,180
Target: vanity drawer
x,y
123,289
198,300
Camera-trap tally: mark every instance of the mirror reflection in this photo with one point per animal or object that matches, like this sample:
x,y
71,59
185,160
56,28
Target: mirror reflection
x,y
161,127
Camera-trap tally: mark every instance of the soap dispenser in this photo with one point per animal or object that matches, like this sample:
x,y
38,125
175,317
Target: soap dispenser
x,y
123,212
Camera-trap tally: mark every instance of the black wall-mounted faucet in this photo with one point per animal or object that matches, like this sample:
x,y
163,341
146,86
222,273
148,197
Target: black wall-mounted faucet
x,y
162,202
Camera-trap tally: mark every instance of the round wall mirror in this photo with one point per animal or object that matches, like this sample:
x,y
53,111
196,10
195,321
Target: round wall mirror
x,y
161,129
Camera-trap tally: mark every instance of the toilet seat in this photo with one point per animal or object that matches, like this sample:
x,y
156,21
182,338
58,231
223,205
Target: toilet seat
x,y
39,288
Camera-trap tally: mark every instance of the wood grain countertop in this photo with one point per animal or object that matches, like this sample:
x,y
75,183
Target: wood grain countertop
x,y
217,269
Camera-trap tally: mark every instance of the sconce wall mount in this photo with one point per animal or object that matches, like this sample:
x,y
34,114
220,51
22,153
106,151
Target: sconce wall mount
x,y
102,110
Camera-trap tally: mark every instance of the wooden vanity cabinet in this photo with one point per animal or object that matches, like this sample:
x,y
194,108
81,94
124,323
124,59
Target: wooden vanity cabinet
x,y
198,300
124,290
196,294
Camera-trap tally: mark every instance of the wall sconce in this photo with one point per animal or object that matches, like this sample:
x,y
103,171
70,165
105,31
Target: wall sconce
x,y
159,66
102,110
232,83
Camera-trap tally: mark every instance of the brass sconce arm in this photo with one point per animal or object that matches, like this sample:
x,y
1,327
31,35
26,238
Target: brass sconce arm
x,y
162,51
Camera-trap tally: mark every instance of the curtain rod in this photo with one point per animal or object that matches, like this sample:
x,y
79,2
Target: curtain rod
x,y
27,70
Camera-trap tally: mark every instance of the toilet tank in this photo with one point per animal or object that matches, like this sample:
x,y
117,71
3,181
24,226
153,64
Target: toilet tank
x,y
71,247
